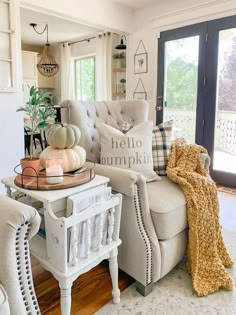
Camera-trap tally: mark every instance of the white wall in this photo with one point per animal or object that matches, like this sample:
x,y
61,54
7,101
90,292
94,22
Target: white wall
x,y
12,132
147,35
104,14
164,15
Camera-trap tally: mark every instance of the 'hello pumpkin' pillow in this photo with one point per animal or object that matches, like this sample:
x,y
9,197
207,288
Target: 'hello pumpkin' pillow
x,y
132,150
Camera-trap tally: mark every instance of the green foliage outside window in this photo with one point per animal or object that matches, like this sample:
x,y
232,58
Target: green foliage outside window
x,y
181,85
85,79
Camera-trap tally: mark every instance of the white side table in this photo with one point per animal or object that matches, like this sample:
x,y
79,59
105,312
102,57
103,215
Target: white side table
x,y
62,233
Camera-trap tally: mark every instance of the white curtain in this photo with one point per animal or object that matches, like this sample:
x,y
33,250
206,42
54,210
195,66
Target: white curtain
x,y
104,67
67,73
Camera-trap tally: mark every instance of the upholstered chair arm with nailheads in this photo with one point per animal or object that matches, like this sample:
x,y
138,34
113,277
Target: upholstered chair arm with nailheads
x,y
18,223
121,180
138,232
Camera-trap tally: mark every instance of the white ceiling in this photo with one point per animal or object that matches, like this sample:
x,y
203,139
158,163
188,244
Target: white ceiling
x,y
134,4
60,30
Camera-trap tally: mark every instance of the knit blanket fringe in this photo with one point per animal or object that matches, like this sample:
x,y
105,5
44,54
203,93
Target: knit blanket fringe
x,y
206,252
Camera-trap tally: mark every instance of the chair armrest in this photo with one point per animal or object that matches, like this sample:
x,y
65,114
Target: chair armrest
x,y
137,231
19,223
15,214
121,180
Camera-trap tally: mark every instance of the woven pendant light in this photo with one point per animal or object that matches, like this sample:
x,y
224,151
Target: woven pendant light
x,y
47,65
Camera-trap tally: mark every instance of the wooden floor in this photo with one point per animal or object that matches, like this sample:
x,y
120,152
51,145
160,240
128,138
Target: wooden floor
x,y
89,293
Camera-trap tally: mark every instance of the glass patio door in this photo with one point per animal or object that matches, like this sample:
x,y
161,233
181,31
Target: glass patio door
x,y
197,89
220,129
224,158
181,68
180,87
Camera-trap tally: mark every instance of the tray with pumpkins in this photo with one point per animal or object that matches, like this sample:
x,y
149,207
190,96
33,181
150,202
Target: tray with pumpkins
x,y
61,165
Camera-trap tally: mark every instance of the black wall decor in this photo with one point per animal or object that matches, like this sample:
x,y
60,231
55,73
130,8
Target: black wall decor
x,y
140,92
140,59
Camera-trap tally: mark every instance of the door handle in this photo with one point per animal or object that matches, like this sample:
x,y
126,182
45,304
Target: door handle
x,y
158,108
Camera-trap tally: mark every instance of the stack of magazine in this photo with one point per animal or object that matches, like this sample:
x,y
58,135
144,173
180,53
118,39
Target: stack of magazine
x,y
80,202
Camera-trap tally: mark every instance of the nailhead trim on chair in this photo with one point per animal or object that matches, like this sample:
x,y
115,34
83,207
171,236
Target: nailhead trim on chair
x,y
145,236
19,263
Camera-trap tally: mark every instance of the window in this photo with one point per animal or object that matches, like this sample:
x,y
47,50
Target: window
x,y
7,35
85,78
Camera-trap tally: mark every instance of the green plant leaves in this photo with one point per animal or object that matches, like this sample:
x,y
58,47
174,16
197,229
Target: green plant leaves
x,y
42,124
37,109
21,109
32,89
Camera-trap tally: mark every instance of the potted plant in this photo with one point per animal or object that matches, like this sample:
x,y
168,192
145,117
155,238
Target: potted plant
x,y
117,58
39,111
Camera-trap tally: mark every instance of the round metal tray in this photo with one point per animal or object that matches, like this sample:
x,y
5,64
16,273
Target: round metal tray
x,y
39,182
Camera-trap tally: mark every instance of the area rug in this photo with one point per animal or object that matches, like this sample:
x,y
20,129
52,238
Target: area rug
x,y
173,294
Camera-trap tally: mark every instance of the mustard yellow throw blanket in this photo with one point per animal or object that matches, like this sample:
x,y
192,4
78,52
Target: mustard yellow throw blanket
x,y
207,254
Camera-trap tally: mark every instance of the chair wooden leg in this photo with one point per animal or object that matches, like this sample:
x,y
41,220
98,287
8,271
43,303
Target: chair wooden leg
x,y
113,266
144,290
27,144
41,142
38,136
35,145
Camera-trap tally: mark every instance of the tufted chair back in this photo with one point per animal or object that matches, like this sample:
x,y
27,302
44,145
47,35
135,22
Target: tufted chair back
x,y
85,115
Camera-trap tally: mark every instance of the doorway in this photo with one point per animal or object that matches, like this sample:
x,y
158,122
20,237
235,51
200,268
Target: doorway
x,y
196,88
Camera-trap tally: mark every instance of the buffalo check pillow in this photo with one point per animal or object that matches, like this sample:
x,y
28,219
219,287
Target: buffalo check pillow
x,y
161,144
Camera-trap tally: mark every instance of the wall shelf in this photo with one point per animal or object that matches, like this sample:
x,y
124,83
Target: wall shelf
x,y
119,69
119,94
118,72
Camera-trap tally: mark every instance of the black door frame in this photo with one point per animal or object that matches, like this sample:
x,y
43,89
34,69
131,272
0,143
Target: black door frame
x,y
207,83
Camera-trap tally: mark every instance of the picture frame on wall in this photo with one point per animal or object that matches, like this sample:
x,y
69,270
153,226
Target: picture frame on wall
x,y
140,63
140,59
140,96
140,92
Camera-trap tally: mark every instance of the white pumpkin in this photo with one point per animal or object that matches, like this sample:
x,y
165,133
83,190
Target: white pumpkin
x,y
72,159
63,136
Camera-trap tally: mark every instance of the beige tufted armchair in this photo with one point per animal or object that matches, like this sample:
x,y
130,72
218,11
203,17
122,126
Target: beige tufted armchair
x,y
18,224
153,221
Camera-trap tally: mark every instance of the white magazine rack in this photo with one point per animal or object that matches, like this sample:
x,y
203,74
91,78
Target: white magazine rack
x,y
62,245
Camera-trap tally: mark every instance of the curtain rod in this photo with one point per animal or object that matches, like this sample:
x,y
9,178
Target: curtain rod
x,y
88,39
82,40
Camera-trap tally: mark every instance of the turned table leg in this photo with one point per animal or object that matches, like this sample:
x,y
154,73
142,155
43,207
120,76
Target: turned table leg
x,y
65,298
113,266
